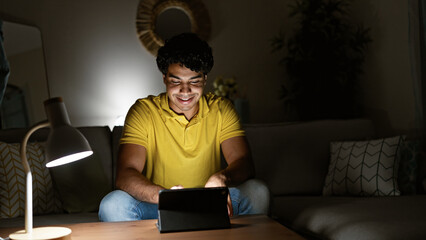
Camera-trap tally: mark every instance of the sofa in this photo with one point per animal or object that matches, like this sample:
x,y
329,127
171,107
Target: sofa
x,y
293,159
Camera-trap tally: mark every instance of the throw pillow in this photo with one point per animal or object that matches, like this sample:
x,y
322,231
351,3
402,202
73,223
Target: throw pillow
x,y
363,168
12,181
407,175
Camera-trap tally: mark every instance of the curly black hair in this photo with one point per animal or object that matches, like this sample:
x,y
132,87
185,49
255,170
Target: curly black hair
x,y
187,49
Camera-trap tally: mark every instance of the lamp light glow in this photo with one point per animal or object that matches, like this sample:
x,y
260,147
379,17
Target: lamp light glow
x,y
65,144
69,159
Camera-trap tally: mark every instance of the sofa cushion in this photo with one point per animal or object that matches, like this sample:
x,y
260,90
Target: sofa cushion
x,y
13,178
83,184
335,218
364,168
408,161
100,140
293,158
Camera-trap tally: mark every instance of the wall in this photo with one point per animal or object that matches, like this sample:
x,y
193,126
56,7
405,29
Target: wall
x,y
242,33
387,82
93,56
97,64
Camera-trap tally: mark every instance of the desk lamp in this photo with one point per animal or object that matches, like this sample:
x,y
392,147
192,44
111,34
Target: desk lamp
x,y
64,144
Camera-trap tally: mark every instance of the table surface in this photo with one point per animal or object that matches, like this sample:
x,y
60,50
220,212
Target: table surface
x,y
243,227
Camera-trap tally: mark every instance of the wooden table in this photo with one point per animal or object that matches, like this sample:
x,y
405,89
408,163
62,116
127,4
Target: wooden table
x,y
243,228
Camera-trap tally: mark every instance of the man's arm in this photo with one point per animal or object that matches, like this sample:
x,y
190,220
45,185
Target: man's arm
x,y
240,166
131,162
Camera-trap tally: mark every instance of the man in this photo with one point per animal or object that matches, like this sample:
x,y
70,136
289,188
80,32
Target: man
x,y
173,140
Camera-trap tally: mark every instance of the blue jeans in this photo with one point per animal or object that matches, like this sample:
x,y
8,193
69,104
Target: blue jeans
x,y
120,206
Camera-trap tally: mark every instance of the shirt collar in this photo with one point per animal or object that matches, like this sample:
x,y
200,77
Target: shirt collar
x,y
167,112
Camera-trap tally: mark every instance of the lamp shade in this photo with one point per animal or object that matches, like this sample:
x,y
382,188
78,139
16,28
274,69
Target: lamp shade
x,y
65,144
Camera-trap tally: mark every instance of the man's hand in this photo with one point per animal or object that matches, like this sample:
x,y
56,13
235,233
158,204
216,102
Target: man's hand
x,y
216,180
219,180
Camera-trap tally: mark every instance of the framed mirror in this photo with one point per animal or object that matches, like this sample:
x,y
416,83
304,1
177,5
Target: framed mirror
x,y
27,87
158,20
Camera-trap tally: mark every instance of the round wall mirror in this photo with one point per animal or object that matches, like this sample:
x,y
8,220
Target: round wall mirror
x,y
172,22
158,20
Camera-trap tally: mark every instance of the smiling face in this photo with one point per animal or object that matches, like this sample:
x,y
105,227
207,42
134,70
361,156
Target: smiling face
x,y
184,89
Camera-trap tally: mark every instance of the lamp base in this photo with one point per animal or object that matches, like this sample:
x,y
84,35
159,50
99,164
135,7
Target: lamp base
x,y
51,233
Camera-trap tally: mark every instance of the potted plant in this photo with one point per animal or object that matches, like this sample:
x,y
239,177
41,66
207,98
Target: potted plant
x,y
227,87
323,58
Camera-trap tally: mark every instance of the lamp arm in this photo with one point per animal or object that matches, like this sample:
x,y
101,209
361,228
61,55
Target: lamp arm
x,y
29,178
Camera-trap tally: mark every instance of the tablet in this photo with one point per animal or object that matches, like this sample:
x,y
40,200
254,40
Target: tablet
x,y
191,209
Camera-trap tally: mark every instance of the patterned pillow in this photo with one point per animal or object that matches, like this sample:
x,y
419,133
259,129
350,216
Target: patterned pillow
x,y
363,168
12,181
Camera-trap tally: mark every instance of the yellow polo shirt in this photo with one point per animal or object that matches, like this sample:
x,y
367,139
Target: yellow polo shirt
x,y
181,151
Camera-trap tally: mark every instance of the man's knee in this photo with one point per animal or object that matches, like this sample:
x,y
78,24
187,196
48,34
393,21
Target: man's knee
x,y
258,194
116,206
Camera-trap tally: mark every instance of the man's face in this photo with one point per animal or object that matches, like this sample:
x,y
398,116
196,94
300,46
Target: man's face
x,y
184,89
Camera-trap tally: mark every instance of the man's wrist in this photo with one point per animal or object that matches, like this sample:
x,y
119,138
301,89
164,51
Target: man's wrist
x,y
226,178
154,193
